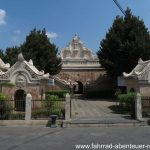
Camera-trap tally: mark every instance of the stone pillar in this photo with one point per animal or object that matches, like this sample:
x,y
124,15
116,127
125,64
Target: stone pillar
x,y
138,107
67,107
28,107
44,96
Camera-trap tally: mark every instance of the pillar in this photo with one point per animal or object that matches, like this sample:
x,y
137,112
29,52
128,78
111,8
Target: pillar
x,y
67,107
28,107
138,107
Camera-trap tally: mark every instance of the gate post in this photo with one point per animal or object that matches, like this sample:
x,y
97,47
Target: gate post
x,y
138,107
28,107
67,107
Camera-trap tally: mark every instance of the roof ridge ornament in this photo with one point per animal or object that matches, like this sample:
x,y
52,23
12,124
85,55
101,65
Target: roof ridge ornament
x,y
4,66
31,62
76,37
20,57
140,61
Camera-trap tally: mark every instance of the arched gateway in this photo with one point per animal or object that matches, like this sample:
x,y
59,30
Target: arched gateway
x,y
78,87
26,78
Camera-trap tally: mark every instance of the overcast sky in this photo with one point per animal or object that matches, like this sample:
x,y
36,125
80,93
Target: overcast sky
x,y
90,19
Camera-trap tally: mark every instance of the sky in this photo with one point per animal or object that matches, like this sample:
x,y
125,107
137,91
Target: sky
x,y
62,19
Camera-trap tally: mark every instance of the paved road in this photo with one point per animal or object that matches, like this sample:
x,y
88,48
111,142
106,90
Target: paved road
x,y
92,108
40,138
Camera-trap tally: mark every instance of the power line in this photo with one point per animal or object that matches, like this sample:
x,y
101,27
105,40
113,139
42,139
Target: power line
x,y
118,5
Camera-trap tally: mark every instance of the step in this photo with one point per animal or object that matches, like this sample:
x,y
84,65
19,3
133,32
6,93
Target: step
x,y
103,122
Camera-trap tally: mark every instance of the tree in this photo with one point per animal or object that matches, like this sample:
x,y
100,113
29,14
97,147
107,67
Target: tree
x,y
37,47
2,54
11,54
126,41
43,53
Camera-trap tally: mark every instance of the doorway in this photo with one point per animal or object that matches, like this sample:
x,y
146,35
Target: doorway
x,y
20,99
78,87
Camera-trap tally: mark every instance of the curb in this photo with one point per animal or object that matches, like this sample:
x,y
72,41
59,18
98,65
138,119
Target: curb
x,y
70,123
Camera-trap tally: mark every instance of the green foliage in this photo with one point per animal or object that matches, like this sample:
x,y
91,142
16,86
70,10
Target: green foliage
x,y
126,98
2,55
44,113
17,116
40,113
126,41
51,106
127,103
59,93
118,92
43,53
52,97
3,97
5,107
49,102
11,54
37,47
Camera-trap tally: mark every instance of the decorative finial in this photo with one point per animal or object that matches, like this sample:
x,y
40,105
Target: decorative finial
x,y
20,57
140,60
76,37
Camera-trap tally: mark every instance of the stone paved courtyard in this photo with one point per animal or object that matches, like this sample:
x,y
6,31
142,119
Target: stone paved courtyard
x,y
92,108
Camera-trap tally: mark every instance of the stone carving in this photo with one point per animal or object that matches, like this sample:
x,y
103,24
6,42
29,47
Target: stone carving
x,y
41,72
141,71
31,72
76,49
20,81
46,76
31,62
20,78
35,73
77,55
25,76
1,72
3,67
20,66
20,57
3,76
65,82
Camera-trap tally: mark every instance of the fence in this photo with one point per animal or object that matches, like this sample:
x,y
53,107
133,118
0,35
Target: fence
x,y
12,110
145,105
40,109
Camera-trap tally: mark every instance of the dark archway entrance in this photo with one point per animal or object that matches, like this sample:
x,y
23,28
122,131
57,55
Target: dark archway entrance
x,y
78,87
20,99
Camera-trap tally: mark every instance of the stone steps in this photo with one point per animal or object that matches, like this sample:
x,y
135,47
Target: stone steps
x,y
104,122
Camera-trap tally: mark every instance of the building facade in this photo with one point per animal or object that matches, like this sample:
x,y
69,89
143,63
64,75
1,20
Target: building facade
x,y
24,78
138,79
81,72
80,67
